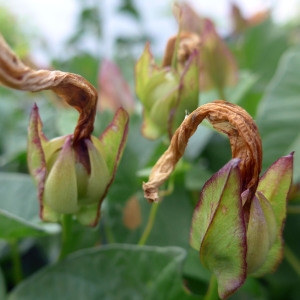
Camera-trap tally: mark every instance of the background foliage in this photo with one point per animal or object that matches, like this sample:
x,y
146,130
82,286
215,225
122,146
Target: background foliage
x,y
112,261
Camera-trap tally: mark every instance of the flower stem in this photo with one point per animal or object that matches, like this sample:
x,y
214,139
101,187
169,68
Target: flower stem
x,y
292,259
66,224
149,225
16,261
212,292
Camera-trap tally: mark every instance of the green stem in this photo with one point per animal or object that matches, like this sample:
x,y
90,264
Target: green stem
x,y
293,209
292,259
109,234
212,292
66,235
16,261
149,225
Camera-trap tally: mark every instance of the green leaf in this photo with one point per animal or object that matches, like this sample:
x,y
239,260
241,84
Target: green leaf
x,y
270,42
19,207
278,116
110,272
218,229
275,185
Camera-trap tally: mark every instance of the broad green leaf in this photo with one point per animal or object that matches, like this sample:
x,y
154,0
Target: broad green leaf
x,y
19,216
110,272
278,116
275,185
218,229
261,48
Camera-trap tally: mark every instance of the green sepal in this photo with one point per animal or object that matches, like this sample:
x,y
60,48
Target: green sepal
x,y
275,185
218,229
112,141
144,69
188,93
60,192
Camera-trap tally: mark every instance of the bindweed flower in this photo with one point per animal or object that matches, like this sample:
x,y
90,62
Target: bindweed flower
x,y
73,172
237,224
73,178
168,91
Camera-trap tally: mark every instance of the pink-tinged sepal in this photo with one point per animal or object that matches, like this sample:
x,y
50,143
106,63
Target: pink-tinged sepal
x,y
274,185
218,229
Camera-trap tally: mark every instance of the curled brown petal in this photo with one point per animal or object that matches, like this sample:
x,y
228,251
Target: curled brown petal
x,y
225,117
73,88
188,42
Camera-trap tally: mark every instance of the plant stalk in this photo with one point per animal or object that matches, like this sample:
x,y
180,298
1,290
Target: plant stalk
x,y
292,259
16,261
66,235
212,292
150,223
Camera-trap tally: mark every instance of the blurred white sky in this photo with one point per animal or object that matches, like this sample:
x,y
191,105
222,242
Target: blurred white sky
x,y
55,19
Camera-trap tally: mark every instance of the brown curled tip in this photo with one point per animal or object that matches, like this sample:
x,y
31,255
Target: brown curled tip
x,y
225,117
187,44
73,88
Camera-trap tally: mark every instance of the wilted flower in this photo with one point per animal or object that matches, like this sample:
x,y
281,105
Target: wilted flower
x,y
218,67
73,172
73,178
237,224
167,92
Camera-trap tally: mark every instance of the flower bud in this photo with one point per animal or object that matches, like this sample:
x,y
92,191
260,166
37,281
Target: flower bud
x,y
169,91
75,176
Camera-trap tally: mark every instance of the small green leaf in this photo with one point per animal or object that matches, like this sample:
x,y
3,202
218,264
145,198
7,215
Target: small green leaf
x,y
218,229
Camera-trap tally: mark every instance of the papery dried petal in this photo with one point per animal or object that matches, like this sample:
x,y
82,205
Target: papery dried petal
x,y
187,44
73,88
227,118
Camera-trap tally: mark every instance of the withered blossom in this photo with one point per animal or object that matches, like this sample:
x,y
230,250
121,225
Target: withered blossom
x,y
73,172
218,67
225,117
237,223
167,91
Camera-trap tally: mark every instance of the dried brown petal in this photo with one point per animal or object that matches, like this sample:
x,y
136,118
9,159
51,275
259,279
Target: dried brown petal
x,y
188,42
73,88
225,117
